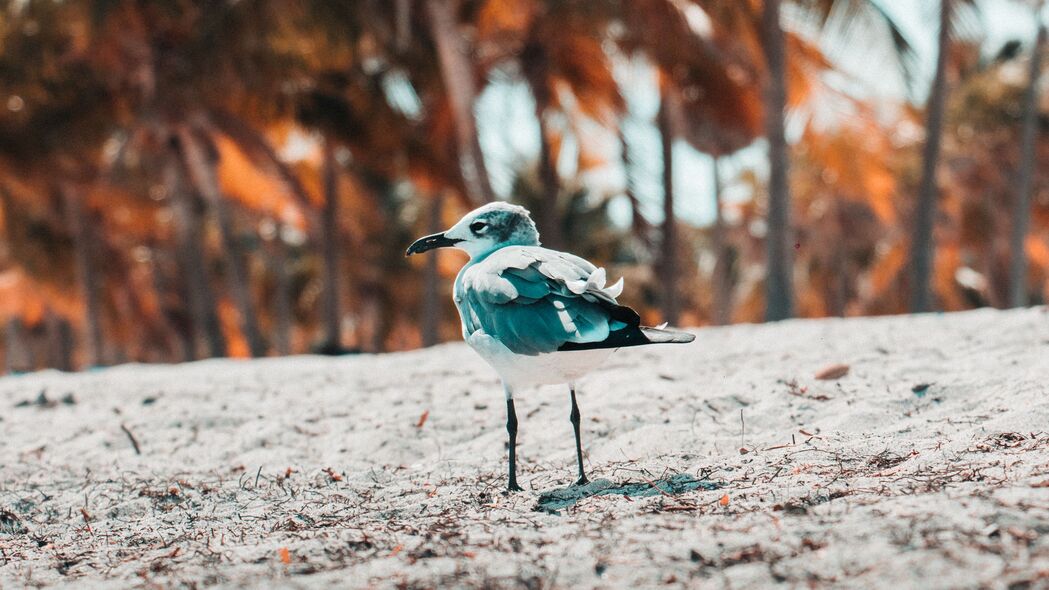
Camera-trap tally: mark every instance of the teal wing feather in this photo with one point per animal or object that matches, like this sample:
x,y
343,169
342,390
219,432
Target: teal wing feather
x,y
535,300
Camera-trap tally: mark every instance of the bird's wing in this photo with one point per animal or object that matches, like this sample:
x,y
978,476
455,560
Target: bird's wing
x,y
536,300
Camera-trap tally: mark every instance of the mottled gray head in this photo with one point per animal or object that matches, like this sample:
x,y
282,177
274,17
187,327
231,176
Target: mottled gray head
x,y
484,230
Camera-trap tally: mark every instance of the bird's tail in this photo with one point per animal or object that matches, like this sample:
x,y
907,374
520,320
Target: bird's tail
x,y
660,335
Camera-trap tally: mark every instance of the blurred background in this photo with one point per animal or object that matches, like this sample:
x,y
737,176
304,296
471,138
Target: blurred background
x,y
183,179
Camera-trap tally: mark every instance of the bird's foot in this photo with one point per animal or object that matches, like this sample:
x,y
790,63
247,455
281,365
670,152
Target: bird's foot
x,y
582,481
513,487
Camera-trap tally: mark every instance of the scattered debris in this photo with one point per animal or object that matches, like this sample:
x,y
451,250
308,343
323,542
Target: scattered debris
x,y
832,372
10,524
131,437
42,401
422,419
887,459
801,391
1001,440
920,389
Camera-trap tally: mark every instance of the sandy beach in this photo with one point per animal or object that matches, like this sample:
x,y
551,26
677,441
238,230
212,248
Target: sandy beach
x,y
920,459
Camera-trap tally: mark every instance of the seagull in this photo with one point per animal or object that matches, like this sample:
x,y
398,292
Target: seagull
x,y
537,316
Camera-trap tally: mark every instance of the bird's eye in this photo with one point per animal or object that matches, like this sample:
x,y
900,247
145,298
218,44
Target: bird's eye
x,y
478,226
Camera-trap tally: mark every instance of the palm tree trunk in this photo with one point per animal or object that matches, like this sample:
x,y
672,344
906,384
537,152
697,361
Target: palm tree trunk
x,y
282,297
549,215
839,280
922,242
668,245
432,299
722,266
1022,204
381,327
332,317
536,73
779,288
403,24
59,341
201,168
83,243
458,78
189,252
17,355
179,338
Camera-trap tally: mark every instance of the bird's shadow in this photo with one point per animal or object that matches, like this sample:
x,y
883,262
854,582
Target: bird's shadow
x,y
554,501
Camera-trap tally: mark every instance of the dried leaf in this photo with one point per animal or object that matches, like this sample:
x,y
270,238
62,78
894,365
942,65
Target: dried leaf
x,y
832,372
285,556
422,419
724,500
920,389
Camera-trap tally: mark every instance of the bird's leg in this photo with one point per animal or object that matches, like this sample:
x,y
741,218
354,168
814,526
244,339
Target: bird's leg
x,y
574,417
511,429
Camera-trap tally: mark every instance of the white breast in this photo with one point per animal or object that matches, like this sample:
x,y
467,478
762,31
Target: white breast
x,y
520,371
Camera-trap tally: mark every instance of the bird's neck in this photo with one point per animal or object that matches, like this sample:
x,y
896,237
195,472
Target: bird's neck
x,y
481,255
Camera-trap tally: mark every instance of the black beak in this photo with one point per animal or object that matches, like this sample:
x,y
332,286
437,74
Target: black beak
x,y
429,243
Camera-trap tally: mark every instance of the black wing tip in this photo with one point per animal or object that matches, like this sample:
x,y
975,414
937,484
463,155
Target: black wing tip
x,y
633,336
664,336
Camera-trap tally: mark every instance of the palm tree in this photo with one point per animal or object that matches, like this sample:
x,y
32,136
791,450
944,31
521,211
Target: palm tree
x,y
200,163
1022,197
534,62
69,118
669,113
458,75
83,248
557,49
200,299
779,288
282,297
722,280
331,316
921,258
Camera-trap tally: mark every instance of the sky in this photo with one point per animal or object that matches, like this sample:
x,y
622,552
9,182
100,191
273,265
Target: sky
x,y
510,137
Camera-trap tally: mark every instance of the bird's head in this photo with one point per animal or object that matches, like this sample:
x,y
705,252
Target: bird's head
x,y
483,231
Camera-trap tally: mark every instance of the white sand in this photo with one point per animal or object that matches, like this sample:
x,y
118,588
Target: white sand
x,y
949,490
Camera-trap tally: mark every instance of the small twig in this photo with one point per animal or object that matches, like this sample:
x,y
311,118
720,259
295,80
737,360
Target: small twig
x,y
131,437
742,428
657,488
257,474
87,519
